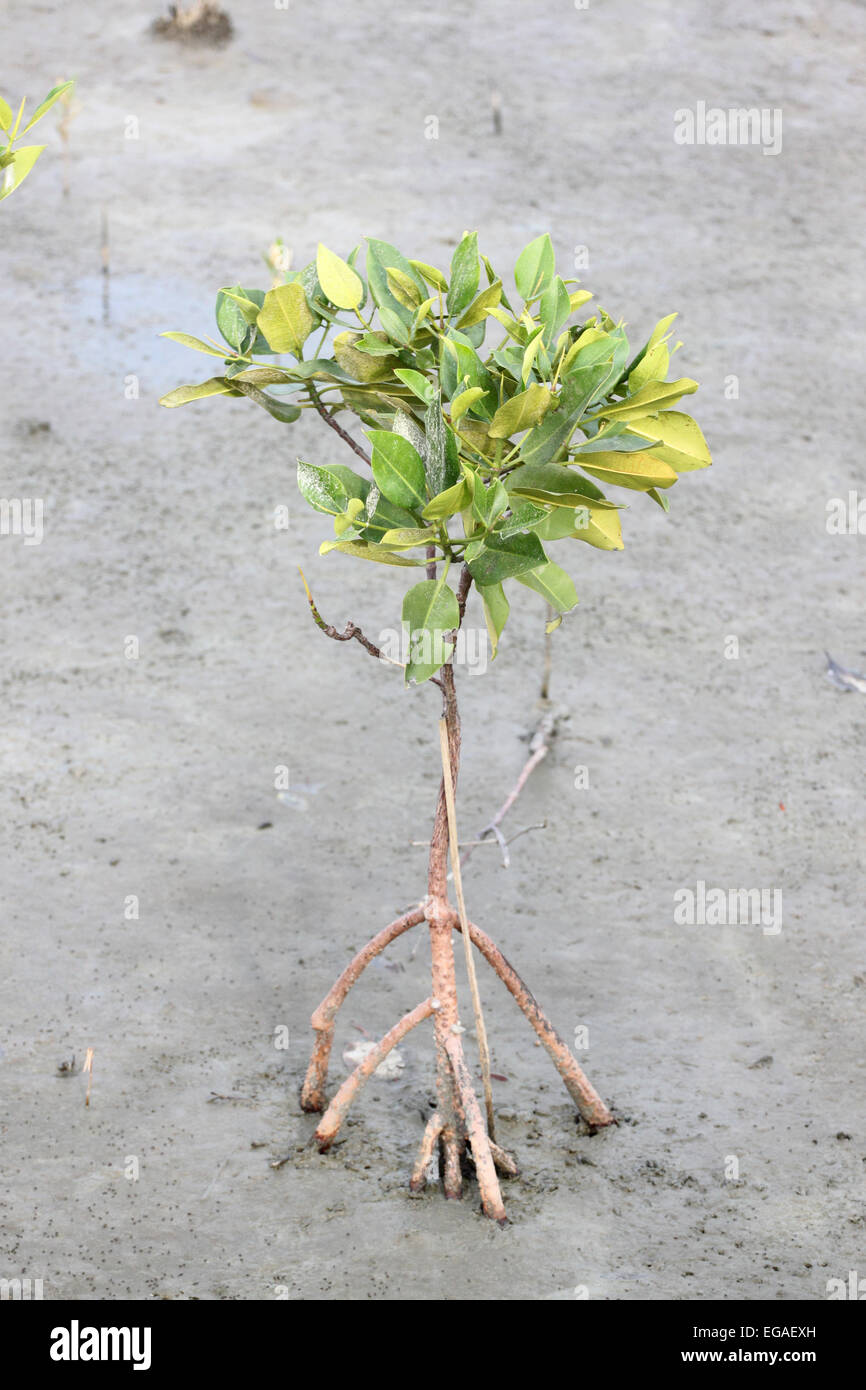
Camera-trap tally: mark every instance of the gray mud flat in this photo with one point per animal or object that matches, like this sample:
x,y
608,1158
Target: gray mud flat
x,y
734,1057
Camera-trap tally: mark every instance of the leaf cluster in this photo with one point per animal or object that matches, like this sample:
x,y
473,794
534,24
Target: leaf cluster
x,y
15,164
481,453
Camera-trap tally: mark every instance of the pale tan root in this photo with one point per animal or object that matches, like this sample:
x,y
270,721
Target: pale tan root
x,y
333,1117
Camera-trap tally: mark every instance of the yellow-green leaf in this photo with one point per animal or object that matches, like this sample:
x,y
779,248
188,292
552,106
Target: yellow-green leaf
x,y
367,550
433,276
552,582
448,503
54,95
341,284
682,445
285,318
650,398
481,305
464,402
353,510
430,611
510,324
405,538
653,366
215,386
638,470
530,355
525,410
599,528
496,610
187,340
403,287
16,171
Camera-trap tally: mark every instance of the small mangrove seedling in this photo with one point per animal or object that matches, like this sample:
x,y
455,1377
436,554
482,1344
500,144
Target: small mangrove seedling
x,y
15,164
477,461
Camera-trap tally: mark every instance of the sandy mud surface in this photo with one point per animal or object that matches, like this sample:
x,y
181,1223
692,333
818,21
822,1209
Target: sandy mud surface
x,y
725,1049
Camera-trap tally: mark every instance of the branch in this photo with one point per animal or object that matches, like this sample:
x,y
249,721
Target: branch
x,y
539,747
463,592
351,629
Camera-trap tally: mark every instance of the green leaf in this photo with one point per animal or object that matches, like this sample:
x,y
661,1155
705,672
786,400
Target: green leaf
x,y
659,334
582,386
236,312
546,440
364,363
187,340
501,558
408,537
5,115
459,367
15,172
488,503
403,287
430,611
474,433
653,366
461,403
682,444
611,439
550,477
283,410
515,330
449,503
465,273
433,276
367,550
553,584
481,306
376,344
260,376
398,469
322,489
637,471
397,329
285,318
525,516
649,399
660,498
340,283
535,268
54,95
522,412
533,348
496,609
382,256
215,386
587,522
442,450
382,516
407,426
353,510
554,309
355,485
420,385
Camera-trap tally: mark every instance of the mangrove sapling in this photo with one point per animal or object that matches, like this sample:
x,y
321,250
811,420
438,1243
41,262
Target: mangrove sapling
x,y
17,163
476,461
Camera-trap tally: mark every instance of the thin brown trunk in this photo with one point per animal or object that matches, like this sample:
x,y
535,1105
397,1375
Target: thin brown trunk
x,y
444,979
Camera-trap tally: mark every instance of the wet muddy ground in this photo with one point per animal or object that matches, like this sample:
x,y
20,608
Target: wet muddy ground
x,y
734,1057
